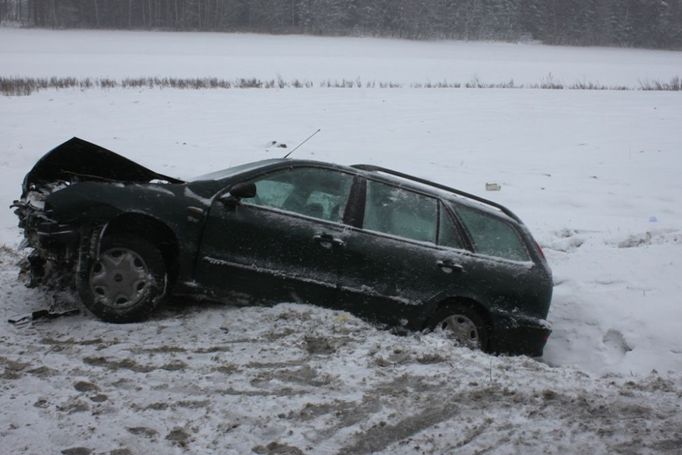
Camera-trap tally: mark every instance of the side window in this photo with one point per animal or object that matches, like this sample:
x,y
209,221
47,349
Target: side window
x,y
447,232
491,236
315,192
399,212
272,192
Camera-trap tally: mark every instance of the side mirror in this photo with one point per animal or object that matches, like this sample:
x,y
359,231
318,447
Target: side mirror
x,y
244,190
237,192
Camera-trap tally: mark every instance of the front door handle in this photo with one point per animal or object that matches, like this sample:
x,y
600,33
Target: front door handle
x,y
328,241
449,266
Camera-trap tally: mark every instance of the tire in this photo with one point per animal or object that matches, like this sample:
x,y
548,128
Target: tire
x,y
126,282
464,324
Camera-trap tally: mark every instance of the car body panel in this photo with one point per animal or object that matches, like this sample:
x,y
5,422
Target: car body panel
x,y
268,251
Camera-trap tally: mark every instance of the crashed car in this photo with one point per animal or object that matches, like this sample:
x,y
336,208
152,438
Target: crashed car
x,y
389,247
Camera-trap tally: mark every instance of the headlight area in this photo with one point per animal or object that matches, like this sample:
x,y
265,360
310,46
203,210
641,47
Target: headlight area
x,y
54,256
55,245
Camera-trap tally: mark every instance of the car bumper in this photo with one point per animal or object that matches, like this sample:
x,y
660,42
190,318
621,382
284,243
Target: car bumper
x,y
519,335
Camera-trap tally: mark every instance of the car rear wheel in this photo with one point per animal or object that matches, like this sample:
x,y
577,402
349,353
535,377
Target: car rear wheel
x,y
125,282
463,324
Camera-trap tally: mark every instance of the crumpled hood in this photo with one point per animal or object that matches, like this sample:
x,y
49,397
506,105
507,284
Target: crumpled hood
x,y
85,161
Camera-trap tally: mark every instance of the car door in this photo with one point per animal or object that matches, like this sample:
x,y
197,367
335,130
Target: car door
x,y
392,260
284,243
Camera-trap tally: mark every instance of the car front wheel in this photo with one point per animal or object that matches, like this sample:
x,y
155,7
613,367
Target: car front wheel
x,y
125,282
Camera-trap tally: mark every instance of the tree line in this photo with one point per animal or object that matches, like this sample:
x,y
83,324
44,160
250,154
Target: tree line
x,y
634,23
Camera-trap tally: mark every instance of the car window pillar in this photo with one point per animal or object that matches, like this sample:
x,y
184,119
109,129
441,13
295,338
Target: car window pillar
x,y
355,208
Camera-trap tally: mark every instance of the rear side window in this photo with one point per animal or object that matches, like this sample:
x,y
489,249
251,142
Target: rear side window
x,y
447,232
399,212
492,236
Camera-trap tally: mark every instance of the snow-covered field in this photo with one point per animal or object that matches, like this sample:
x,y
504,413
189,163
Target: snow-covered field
x,y
120,54
595,175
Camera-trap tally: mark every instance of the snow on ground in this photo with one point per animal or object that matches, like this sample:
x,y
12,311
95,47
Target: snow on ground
x,y
595,175
121,54
298,379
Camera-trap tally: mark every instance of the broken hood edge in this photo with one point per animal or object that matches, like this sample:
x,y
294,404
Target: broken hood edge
x,y
87,161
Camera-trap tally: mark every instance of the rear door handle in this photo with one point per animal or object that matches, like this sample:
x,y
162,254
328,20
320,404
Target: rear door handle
x,y
449,266
328,241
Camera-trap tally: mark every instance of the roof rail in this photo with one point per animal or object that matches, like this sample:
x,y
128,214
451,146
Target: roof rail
x,y
372,168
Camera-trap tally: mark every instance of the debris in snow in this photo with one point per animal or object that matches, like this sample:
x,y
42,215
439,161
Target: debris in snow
x,y
319,345
22,320
179,437
77,451
492,187
84,386
275,448
143,431
275,144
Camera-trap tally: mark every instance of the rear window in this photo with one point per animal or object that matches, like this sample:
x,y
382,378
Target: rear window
x,y
492,236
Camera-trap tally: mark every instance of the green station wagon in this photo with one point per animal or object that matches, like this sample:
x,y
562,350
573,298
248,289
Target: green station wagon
x,y
389,247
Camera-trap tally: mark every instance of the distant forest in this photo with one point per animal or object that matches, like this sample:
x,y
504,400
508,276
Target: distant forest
x,y
633,23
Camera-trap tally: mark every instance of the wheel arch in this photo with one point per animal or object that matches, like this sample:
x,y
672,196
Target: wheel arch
x,y
151,229
453,301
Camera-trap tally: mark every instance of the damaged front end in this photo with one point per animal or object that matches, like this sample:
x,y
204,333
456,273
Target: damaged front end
x,y
55,245
51,208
